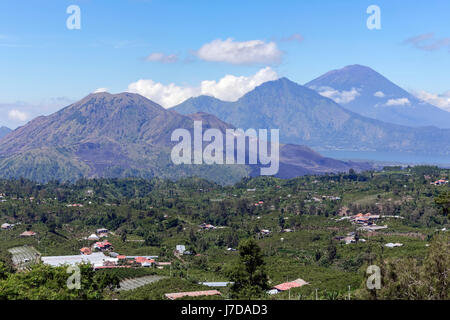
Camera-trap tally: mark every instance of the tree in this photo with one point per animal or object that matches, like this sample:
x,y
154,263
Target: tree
x,y
45,282
123,235
443,202
3,271
248,274
151,239
332,251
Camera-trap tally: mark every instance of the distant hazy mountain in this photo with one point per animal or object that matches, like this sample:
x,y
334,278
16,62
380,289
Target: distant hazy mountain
x,y
4,131
105,135
365,91
305,117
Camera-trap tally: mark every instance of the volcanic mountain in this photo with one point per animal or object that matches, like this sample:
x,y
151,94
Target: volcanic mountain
x,y
305,117
120,135
366,92
4,131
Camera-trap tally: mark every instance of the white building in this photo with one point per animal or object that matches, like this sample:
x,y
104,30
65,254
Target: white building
x,y
6,226
93,237
97,259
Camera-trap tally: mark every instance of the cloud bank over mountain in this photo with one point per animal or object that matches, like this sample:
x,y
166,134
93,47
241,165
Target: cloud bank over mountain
x,y
228,88
439,100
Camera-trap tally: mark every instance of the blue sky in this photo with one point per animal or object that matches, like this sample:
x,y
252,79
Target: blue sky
x,y
44,65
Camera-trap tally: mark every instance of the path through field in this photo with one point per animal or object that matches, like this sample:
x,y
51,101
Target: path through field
x,y
130,284
24,256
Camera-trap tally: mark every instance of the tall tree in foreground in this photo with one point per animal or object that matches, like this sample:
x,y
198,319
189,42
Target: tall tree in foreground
x,y
249,275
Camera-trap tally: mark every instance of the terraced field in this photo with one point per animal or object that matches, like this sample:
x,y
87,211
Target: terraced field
x,y
24,256
130,284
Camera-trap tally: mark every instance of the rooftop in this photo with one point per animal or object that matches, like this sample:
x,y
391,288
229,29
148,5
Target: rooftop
x,y
177,295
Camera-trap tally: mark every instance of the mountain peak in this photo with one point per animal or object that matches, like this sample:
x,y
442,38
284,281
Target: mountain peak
x,y
107,95
357,67
363,90
118,101
4,131
354,74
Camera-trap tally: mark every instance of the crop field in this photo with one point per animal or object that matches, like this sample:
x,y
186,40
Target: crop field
x,y
24,256
130,284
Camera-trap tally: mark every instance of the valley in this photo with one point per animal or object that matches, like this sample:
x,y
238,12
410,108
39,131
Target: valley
x,y
314,228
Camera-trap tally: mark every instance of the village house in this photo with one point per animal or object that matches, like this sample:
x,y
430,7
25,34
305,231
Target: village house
x,y
75,205
6,226
287,286
28,234
439,182
102,246
207,226
93,237
144,261
180,249
393,245
216,284
349,239
102,231
86,251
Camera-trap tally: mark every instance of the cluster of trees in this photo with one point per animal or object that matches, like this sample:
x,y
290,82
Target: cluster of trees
x,y
411,279
45,282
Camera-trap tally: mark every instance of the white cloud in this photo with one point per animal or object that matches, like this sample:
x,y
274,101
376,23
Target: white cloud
x,y
398,102
166,95
296,37
439,100
344,96
235,52
379,94
18,115
231,88
18,112
228,88
161,57
101,90
428,42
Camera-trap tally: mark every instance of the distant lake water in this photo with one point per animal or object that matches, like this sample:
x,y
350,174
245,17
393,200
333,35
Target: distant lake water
x,y
394,157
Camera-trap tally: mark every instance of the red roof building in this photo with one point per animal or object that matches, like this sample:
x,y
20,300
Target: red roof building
x,y
289,285
102,245
142,260
28,234
86,251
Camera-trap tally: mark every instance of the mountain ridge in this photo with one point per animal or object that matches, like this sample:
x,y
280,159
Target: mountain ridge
x,y
105,135
305,117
